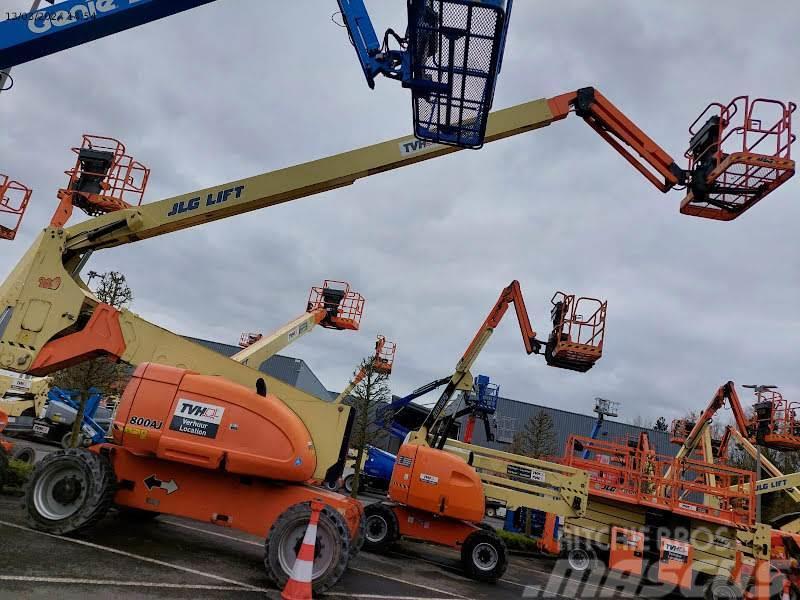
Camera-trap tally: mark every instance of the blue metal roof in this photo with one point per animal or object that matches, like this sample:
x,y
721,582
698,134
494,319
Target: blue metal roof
x,y
293,371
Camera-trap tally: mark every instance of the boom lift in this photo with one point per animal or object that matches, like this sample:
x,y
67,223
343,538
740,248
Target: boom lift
x,y
785,532
482,400
332,306
575,343
604,408
750,137
441,497
382,362
773,424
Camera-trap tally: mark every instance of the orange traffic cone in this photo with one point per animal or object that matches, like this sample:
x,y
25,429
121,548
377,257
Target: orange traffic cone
x,y
299,585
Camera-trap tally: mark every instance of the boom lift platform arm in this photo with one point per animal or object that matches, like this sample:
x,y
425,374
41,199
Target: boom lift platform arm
x,y
332,306
381,362
773,424
575,343
238,197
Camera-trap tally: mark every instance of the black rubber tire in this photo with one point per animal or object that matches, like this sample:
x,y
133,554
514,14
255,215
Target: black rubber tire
x,y
95,492
358,541
491,511
135,515
491,542
720,588
294,517
331,485
25,454
381,527
348,483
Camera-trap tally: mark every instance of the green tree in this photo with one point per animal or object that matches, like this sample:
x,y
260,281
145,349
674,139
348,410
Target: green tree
x,y
537,439
101,373
369,393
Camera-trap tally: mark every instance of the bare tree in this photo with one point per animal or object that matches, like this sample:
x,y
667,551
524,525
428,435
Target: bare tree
x,y
537,439
371,392
660,424
101,373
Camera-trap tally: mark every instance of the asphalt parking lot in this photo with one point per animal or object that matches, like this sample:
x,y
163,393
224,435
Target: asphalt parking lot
x,y
172,557
176,558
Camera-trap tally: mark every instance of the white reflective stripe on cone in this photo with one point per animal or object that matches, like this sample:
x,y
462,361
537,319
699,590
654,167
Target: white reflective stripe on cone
x,y
311,535
303,570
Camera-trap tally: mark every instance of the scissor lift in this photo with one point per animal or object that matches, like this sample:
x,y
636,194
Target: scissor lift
x,y
14,198
687,531
104,179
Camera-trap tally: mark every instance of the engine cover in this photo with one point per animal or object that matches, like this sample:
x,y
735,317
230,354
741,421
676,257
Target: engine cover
x,y
437,482
210,422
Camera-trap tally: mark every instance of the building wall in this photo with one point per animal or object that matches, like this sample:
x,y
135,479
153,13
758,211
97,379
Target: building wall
x,y
512,415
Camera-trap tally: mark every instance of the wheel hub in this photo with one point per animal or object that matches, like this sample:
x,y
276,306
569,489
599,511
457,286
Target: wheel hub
x,y
60,491
377,528
67,490
323,548
484,556
578,559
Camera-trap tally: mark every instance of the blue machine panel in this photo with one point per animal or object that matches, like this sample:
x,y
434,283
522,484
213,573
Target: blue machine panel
x,y
26,37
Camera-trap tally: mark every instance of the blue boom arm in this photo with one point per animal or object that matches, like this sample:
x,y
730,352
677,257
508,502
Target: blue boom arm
x,y
25,37
382,416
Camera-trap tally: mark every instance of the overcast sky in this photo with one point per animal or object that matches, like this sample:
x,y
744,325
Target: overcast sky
x,y
241,87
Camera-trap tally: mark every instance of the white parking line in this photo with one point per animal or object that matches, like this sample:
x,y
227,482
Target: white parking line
x,y
585,583
112,582
206,531
356,569
411,583
137,557
381,597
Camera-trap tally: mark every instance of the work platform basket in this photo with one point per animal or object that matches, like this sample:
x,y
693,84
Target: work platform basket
x,y
774,422
104,178
579,326
738,153
455,49
483,396
14,198
343,306
384,355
